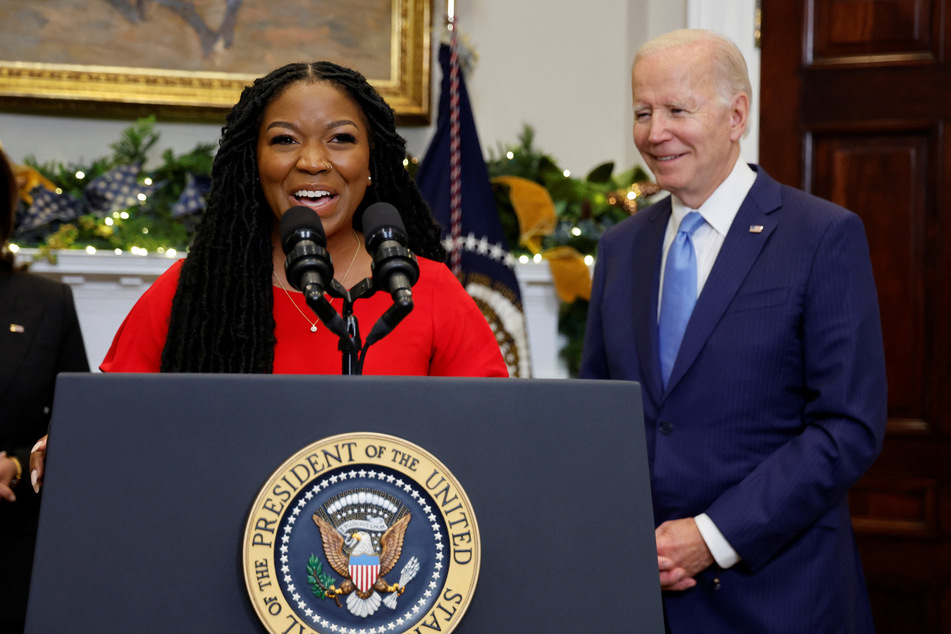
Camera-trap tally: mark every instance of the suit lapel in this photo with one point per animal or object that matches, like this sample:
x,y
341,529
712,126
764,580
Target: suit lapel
x,y
646,273
739,252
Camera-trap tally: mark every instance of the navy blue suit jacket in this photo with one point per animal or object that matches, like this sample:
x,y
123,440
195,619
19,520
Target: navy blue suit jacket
x,y
776,404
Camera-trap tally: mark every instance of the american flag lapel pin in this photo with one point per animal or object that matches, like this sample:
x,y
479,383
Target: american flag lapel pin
x,y
17,328
756,228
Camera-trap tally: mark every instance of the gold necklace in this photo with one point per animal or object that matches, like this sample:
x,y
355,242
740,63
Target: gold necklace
x,y
353,259
313,324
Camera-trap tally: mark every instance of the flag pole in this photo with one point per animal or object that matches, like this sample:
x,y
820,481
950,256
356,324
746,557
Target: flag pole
x,y
455,154
479,254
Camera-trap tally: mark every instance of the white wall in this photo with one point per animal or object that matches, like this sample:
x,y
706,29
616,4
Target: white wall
x,y
562,69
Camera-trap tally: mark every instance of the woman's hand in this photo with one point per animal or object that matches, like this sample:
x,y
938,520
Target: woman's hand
x,y
38,462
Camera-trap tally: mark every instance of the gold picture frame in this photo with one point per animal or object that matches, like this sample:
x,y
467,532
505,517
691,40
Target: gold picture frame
x,y
398,51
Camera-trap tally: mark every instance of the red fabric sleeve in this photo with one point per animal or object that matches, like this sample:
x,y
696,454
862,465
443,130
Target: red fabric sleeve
x,y
464,343
138,344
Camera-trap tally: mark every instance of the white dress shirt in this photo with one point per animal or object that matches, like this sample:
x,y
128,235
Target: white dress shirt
x,y
718,211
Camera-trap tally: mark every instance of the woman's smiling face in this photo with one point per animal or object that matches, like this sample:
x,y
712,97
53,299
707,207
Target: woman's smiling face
x,y
314,150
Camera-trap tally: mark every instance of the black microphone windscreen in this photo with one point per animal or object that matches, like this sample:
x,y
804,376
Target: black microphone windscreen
x,y
298,218
379,215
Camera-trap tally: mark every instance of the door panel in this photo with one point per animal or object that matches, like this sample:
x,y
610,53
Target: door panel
x,y
856,107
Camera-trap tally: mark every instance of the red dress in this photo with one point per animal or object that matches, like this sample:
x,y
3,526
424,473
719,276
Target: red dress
x,y
445,335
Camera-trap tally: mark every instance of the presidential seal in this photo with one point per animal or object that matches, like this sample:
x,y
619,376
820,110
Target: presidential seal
x,y
361,533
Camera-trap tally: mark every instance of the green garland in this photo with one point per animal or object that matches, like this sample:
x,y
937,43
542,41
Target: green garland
x,y
590,204
584,207
150,225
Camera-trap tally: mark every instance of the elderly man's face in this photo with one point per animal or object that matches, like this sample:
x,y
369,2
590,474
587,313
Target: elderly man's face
x,y
687,136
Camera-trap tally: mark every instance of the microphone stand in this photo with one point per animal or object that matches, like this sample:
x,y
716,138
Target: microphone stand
x,y
346,326
350,344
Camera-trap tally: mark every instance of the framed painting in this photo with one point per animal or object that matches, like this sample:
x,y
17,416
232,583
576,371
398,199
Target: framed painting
x,y
191,58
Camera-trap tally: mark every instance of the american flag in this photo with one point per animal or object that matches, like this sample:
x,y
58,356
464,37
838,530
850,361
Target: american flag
x,y
477,242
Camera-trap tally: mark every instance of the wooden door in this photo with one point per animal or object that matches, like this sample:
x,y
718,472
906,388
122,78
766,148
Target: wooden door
x,y
856,108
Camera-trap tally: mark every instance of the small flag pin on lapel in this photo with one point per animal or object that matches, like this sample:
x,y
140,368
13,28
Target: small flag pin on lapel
x,y
16,328
756,228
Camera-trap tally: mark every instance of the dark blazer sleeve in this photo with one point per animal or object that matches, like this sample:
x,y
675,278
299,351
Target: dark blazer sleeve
x,y
804,481
73,352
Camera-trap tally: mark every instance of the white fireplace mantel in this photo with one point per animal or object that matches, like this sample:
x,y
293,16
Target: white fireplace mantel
x,y
106,286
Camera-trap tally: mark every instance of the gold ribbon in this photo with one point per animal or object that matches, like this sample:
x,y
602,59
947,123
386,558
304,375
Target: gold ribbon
x,y
534,208
535,211
569,273
28,178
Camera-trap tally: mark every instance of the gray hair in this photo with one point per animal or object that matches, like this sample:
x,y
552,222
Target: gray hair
x,y
728,63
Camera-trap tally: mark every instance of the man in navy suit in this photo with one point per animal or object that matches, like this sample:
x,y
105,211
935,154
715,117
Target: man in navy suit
x,y
770,401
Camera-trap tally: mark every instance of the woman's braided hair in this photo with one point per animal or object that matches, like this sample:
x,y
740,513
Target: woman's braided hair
x,y
222,313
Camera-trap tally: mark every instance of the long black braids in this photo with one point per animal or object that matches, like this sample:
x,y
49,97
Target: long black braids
x,y
222,313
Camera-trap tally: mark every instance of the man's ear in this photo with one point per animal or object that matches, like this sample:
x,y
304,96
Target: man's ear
x,y
739,116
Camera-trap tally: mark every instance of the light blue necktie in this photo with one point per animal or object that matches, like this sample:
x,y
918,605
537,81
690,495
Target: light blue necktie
x,y
680,292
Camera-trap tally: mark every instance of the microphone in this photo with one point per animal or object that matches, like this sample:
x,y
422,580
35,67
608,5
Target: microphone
x,y
307,266
395,268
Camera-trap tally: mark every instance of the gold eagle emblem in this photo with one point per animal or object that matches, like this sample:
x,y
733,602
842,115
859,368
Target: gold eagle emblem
x,y
340,551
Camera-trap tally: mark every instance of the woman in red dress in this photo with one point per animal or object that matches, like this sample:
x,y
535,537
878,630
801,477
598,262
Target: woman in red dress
x,y
314,135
